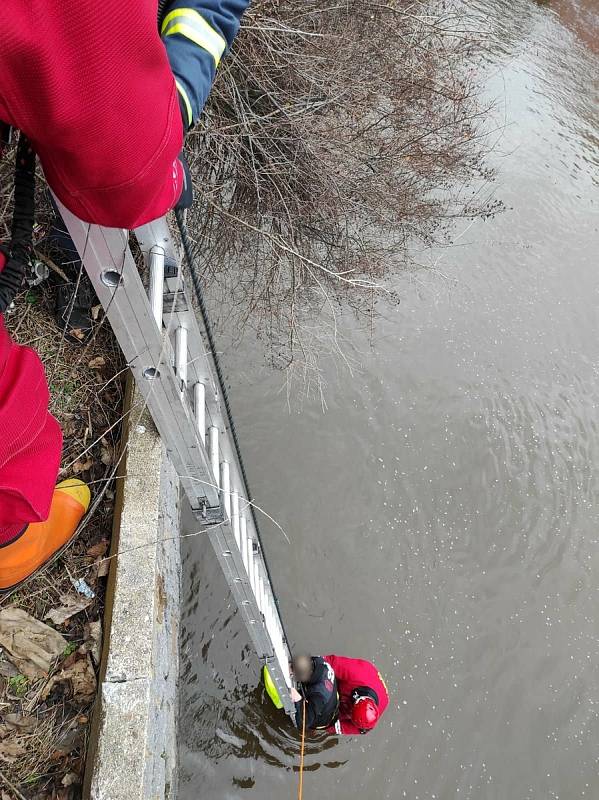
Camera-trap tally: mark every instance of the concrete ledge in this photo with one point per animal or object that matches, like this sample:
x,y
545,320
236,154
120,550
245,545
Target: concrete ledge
x,y
133,753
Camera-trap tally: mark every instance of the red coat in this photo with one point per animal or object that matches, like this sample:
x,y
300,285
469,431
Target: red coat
x,y
351,673
90,84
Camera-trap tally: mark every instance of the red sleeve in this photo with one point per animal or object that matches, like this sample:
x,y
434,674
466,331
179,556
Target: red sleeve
x,y
343,667
96,96
353,670
345,727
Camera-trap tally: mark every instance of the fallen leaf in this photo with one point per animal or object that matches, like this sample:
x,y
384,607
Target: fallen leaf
x,y
19,722
107,456
96,311
10,751
81,679
70,660
70,740
98,549
103,568
70,778
73,604
82,465
32,646
70,427
96,363
7,670
107,451
93,640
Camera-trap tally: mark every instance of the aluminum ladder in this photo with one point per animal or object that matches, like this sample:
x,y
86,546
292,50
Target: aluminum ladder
x,y
160,337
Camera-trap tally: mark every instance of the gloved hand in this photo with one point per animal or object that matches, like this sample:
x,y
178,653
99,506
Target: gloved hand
x,y
186,197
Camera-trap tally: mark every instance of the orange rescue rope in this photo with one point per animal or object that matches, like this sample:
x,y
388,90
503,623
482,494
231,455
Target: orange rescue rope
x,y
300,787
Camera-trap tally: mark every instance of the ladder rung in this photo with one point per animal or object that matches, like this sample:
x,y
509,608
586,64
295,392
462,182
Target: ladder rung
x,y
225,485
156,261
235,517
214,458
250,568
181,356
256,580
244,542
199,407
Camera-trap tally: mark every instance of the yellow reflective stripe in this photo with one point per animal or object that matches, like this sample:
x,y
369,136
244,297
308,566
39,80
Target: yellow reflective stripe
x,y
183,94
191,33
192,25
382,680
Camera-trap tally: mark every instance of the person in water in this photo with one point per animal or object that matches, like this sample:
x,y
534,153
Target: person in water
x,y
318,687
342,695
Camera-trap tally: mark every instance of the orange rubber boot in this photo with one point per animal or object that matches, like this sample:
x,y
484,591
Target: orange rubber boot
x,y
41,540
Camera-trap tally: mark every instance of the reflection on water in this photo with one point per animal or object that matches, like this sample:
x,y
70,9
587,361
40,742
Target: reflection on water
x,y
444,513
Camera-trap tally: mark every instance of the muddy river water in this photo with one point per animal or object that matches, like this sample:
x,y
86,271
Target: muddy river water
x,y
444,511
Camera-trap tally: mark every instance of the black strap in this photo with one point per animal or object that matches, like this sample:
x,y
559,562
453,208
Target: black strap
x,y
11,279
19,251
5,135
162,4
364,691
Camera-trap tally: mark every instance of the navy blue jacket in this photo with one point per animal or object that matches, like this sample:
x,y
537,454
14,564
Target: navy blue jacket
x,y
321,696
196,34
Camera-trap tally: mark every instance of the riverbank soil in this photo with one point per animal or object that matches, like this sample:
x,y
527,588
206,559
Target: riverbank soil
x,y
48,681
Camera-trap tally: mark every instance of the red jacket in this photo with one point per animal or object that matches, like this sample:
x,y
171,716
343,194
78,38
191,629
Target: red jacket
x,y
90,84
351,673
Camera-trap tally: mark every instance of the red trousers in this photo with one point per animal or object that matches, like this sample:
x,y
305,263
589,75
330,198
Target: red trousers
x,y
30,439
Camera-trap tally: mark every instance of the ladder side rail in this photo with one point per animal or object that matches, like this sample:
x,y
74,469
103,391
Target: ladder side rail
x,y
114,275
223,541
157,233
228,455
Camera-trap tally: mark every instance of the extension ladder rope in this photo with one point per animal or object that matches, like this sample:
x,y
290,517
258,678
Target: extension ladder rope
x,y
300,787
